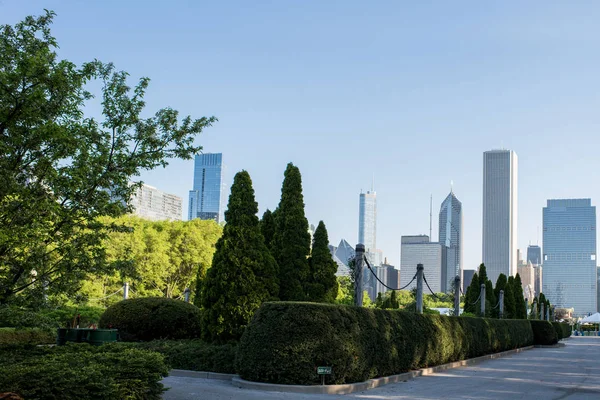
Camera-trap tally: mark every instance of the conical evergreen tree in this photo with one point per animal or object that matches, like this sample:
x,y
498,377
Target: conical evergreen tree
x,y
520,303
491,304
323,286
394,300
509,298
291,243
379,301
483,278
500,285
541,301
472,295
267,227
243,272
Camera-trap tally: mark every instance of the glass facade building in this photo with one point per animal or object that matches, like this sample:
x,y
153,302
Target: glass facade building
x,y
150,203
450,235
500,213
367,221
534,255
206,198
569,256
419,250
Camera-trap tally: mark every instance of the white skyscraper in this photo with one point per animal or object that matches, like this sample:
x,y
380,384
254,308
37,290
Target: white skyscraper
x,y
500,213
150,203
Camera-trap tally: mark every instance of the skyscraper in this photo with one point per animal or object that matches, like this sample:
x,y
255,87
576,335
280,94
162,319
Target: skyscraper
x,y
569,244
367,225
534,254
206,197
419,250
500,213
451,240
150,203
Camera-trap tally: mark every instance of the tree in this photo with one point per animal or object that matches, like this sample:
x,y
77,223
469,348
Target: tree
x,y
379,301
509,298
243,272
541,300
473,291
323,286
491,303
267,227
60,170
394,300
346,291
482,273
500,285
292,241
520,303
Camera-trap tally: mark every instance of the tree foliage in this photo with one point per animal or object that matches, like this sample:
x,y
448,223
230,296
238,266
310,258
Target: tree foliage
x,y
61,170
267,227
323,286
520,304
243,273
291,243
500,286
509,299
473,291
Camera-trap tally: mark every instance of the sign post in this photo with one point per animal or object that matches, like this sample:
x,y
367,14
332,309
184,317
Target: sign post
x,y
323,371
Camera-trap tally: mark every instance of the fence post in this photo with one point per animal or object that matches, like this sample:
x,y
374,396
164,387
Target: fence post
x,y
420,288
186,295
482,300
457,295
501,305
126,291
358,274
542,314
547,313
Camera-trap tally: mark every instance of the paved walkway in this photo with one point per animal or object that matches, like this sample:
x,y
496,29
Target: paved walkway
x,y
571,372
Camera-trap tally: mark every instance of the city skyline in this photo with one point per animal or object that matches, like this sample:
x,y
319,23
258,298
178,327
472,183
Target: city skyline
x,y
476,79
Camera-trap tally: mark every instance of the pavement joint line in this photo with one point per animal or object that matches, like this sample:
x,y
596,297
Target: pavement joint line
x,y
371,383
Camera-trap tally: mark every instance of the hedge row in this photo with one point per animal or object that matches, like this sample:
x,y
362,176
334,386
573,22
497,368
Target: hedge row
x,y
543,332
287,341
194,355
150,318
26,335
81,371
562,330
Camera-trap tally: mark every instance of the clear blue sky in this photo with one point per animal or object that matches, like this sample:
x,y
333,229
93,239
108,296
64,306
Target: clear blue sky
x,y
412,92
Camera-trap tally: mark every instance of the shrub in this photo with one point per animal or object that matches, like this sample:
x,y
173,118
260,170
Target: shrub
x,y
563,330
286,342
82,371
65,316
152,318
543,332
14,317
26,335
194,355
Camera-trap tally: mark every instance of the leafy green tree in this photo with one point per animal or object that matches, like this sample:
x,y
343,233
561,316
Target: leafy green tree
x,y
509,298
367,300
473,291
267,227
61,170
520,303
323,286
243,272
346,291
291,246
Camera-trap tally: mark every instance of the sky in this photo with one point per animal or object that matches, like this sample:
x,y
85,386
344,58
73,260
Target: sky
x,y
411,93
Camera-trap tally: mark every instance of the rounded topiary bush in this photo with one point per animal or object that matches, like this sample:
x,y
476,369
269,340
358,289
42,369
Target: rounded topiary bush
x,y
152,318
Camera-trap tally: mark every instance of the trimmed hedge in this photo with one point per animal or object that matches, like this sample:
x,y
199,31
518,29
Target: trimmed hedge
x,y
194,355
562,330
151,318
287,341
26,335
14,317
543,332
81,372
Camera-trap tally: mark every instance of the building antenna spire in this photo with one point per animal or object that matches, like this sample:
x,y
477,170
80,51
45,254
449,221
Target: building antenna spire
x,y
430,214
451,186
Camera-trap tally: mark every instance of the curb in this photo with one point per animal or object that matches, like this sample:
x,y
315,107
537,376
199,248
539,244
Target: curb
x,y
201,374
371,383
549,346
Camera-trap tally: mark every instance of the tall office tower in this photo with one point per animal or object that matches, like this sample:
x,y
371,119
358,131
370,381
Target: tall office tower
x,y
206,197
467,277
419,250
367,221
500,213
569,257
387,274
534,255
150,203
451,240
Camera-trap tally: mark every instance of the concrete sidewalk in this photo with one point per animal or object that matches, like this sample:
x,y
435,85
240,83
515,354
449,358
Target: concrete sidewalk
x,y
571,372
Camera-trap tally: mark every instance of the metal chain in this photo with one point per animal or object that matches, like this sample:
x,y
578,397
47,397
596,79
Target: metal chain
x,y
390,288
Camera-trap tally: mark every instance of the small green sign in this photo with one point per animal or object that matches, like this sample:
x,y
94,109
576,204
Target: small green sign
x,y
324,370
